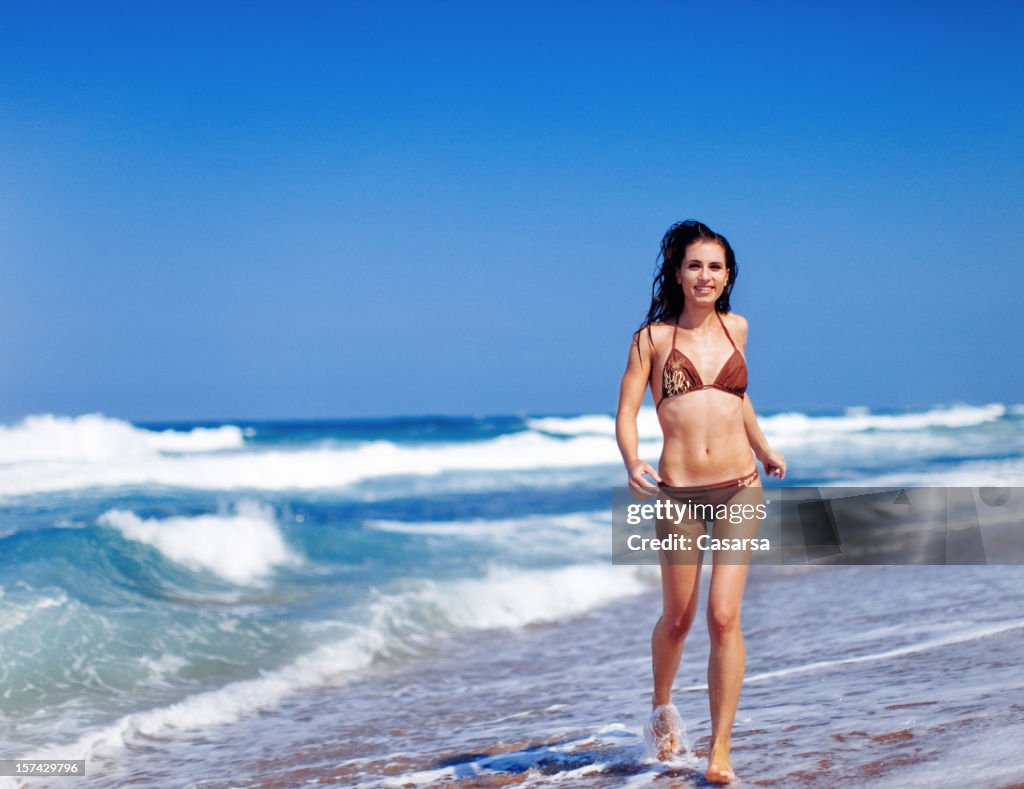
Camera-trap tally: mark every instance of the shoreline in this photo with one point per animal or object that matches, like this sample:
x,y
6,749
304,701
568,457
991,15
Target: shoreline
x,y
565,703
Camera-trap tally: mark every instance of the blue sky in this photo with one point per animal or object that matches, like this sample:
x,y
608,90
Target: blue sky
x,y
348,210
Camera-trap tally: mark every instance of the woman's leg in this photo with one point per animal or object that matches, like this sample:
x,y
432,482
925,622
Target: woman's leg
x,y
725,664
680,586
680,579
728,653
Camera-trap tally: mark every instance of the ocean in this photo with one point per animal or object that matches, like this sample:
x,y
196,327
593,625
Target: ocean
x,y
431,601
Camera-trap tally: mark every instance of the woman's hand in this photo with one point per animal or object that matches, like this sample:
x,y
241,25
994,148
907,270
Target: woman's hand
x,y
638,484
774,463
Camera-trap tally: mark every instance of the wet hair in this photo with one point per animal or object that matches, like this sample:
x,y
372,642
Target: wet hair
x,y
666,295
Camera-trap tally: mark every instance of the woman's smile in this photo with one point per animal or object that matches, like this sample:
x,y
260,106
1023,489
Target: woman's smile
x,y
703,272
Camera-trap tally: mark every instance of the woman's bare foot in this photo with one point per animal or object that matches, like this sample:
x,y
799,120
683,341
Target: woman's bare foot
x,y
663,732
719,769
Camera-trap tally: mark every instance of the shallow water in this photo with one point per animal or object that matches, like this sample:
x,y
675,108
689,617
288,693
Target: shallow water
x,y
838,692
417,602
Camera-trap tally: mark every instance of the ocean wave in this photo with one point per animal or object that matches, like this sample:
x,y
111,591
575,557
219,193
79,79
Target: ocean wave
x,y
185,460
324,467
396,621
795,425
965,474
792,425
595,425
567,534
94,438
507,597
540,540
21,607
242,548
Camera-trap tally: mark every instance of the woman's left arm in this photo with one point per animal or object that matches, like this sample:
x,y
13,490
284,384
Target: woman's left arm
x,y
773,462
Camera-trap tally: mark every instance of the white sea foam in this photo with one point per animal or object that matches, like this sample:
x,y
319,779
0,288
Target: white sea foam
x,y
795,425
600,752
569,533
95,438
525,541
596,425
183,460
242,548
22,606
966,474
165,664
791,426
509,598
504,598
320,468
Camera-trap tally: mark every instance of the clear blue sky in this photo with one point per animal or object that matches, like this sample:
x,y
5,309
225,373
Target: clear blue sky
x,y
367,209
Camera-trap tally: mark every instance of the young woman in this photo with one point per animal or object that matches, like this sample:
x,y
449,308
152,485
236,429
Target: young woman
x,y
690,350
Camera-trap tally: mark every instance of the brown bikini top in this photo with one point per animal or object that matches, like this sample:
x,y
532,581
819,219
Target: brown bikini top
x,y
680,376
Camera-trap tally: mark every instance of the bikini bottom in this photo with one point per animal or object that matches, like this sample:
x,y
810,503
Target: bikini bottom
x,y
718,493
732,505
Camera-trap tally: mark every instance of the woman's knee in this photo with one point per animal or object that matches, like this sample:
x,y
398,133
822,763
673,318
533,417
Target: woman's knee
x,y
723,621
677,625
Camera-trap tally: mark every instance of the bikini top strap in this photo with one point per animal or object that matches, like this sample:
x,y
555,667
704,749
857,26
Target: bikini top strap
x,y
725,330
675,330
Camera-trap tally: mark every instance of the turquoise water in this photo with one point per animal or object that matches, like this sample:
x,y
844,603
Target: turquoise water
x,y
162,580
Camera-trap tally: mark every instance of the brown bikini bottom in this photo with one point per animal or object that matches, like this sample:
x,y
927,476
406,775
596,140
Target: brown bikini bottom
x,y
718,493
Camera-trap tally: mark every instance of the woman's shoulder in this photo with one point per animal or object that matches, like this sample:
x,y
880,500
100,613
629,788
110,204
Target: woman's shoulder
x,y
653,327
653,330
651,336
736,324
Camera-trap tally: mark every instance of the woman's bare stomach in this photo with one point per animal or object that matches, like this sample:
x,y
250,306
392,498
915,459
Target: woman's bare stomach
x,y
703,445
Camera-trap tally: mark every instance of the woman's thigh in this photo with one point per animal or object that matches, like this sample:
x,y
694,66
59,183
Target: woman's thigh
x,y
680,567
731,564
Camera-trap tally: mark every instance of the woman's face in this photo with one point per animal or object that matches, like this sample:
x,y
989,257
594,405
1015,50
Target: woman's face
x,y
702,274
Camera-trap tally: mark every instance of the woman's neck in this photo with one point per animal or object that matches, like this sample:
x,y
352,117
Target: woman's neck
x,y
696,317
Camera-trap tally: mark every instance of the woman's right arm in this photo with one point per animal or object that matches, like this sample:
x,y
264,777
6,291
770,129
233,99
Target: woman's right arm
x,y
631,396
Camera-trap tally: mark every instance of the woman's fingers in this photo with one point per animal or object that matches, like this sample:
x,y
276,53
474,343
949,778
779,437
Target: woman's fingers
x,y
774,465
643,492
638,483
